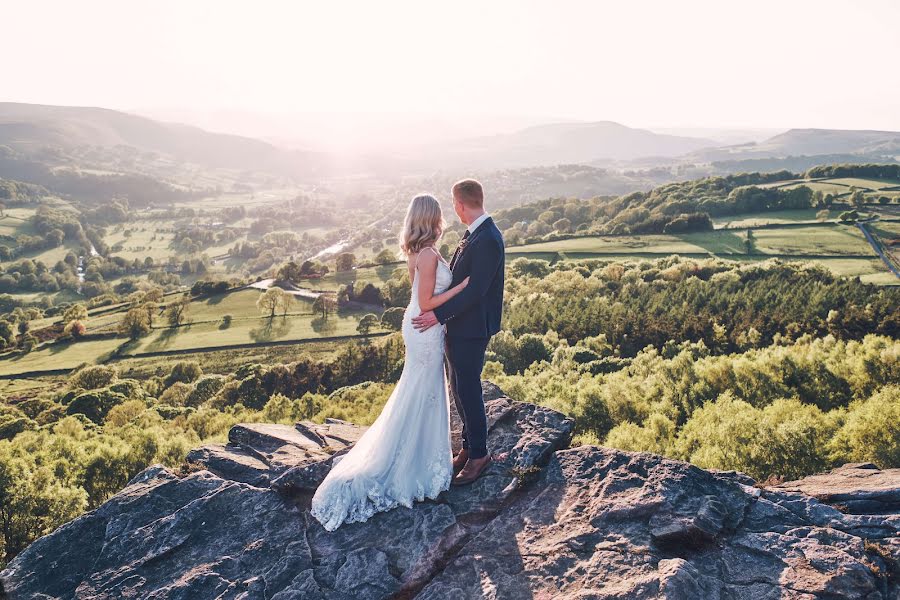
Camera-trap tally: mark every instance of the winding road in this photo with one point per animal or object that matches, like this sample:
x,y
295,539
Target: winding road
x,y
877,247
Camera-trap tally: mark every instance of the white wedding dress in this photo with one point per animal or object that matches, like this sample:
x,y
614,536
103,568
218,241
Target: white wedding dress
x,y
405,455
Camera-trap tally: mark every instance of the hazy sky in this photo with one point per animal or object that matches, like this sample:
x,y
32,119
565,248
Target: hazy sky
x,y
761,63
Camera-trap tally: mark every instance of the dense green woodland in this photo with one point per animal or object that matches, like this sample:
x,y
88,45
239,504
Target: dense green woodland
x,y
676,207
778,370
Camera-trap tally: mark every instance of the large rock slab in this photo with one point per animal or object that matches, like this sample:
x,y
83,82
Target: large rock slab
x,y
543,522
601,523
258,453
241,528
860,488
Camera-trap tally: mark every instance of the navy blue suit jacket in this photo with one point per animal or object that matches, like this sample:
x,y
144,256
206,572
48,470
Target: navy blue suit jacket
x,y
475,312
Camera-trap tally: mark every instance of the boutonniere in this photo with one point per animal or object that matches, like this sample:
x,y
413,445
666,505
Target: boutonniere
x,y
463,243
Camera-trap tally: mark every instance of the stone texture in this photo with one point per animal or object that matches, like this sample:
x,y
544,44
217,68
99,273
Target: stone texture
x,y
543,522
860,488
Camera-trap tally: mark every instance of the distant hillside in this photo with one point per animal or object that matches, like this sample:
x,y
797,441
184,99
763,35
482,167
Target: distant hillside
x,y
567,143
28,128
833,141
872,145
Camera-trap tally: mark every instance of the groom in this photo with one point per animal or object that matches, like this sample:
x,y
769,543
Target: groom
x,y
472,317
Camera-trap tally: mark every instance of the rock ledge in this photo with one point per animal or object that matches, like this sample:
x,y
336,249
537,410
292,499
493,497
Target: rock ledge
x,y
543,522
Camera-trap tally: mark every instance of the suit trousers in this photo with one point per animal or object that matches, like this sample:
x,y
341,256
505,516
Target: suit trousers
x,y
465,361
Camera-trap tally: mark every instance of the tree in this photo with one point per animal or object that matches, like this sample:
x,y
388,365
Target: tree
x,y
324,304
823,215
151,309
367,324
345,261
385,257
287,302
748,242
392,318
270,301
75,328
563,225
289,272
135,323
176,311
523,267
76,312
185,371
857,198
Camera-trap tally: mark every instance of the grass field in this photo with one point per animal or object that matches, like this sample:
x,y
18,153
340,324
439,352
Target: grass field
x,y
358,277
836,240
226,361
16,221
205,328
826,187
65,356
807,215
245,331
870,184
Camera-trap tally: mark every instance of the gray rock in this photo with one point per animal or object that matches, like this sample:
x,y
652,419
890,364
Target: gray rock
x,y
543,522
859,488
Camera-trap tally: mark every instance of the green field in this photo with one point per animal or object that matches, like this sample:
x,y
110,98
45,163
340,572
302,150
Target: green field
x,y
842,185
245,331
204,328
358,277
63,356
836,240
16,221
869,184
807,215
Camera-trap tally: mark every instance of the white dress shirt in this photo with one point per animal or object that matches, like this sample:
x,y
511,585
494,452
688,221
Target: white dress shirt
x,y
474,224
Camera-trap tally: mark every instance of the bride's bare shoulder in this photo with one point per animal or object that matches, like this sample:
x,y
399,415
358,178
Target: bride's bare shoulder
x,y
427,257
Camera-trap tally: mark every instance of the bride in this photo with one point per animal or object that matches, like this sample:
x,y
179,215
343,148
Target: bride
x,y
405,455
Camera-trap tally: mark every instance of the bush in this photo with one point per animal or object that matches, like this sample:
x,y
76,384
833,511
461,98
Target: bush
x,y
92,378
95,404
871,430
169,412
10,427
392,318
177,394
186,371
130,388
205,388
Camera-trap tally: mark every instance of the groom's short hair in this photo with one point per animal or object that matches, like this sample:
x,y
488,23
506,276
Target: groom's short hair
x,y
469,192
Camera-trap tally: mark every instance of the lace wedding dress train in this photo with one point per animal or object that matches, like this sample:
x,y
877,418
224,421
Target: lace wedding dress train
x,y
405,455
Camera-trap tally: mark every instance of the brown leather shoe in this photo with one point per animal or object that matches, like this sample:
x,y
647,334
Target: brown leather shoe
x,y
459,461
472,471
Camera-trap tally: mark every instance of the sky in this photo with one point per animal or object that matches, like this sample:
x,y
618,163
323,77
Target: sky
x,y
691,63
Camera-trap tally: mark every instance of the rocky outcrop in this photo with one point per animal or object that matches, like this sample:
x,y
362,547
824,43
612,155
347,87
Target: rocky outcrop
x,y
543,522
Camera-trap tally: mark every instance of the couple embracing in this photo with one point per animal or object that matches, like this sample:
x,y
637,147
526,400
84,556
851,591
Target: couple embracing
x,y
453,311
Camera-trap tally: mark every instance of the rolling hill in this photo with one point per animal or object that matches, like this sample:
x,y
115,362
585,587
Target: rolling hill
x,y
873,146
28,128
566,143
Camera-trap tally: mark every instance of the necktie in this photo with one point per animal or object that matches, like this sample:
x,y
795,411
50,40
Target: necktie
x,y
459,248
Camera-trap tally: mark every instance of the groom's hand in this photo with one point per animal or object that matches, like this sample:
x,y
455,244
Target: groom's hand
x,y
426,320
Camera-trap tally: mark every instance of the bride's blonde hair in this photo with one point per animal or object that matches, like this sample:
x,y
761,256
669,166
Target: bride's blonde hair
x,y
423,225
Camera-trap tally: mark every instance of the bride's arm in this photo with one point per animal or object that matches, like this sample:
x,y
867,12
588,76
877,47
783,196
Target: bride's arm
x,y
427,274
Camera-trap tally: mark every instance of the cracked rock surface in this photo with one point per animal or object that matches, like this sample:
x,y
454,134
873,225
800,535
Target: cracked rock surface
x,y
543,522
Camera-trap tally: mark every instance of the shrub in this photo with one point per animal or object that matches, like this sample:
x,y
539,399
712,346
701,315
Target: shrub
x,y
392,318
10,427
205,388
94,377
94,404
176,394
871,430
186,371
